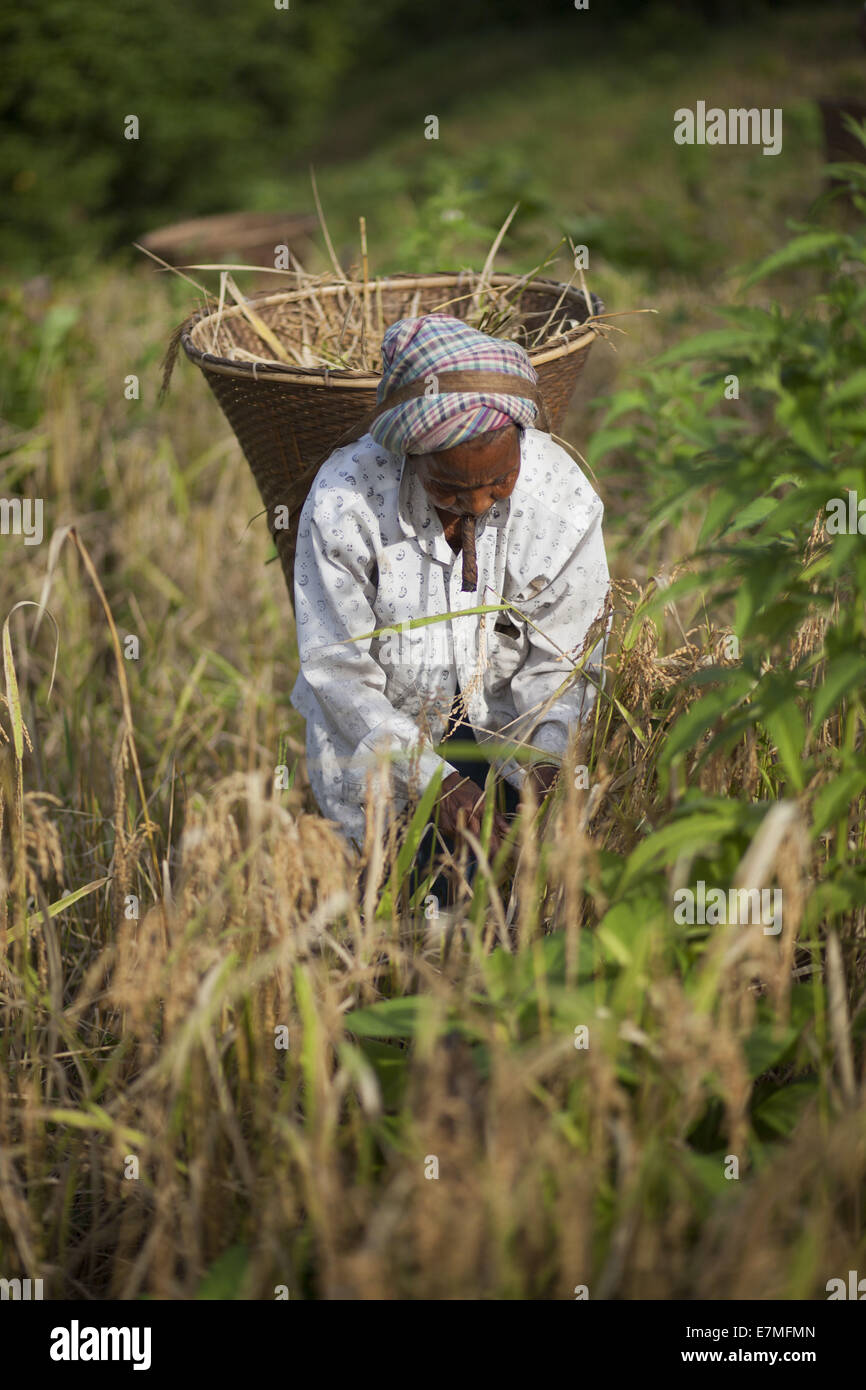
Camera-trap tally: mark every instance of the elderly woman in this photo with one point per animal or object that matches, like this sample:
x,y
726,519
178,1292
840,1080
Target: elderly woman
x,y
450,502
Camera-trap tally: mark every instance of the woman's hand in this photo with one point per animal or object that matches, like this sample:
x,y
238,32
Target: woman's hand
x,y
461,796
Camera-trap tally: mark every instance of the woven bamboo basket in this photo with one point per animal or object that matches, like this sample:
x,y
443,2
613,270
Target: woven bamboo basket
x,y
288,419
251,237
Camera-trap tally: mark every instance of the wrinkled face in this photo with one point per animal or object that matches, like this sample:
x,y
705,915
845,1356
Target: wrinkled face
x,y
471,476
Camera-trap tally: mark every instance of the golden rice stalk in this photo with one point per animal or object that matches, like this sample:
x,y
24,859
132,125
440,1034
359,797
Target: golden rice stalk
x,y
258,323
491,257
840,1023
341,274
19,729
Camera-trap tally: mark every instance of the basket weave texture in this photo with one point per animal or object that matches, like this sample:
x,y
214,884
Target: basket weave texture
x,y
288,419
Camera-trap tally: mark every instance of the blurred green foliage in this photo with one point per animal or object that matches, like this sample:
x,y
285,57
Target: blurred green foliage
x,y
773,465
232,98
31,352
223,93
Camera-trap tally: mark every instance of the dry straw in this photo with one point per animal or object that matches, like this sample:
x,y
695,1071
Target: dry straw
x,y
296,371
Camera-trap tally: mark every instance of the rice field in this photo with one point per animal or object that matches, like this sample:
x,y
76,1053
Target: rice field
x,y
238,1062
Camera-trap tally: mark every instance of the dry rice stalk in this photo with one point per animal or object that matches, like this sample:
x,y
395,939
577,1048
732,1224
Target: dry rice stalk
x,y
491,257
340,273
365,274
219,312
258,323
306,354
542,332
840,1024
336,329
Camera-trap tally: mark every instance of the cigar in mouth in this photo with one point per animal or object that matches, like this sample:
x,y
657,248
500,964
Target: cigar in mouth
x,y
467,545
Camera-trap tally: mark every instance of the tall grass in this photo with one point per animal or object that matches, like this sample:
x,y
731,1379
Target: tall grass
x,y
231,1065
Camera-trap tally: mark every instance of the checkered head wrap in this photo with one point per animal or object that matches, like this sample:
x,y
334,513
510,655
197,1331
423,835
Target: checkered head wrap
x,y
421,348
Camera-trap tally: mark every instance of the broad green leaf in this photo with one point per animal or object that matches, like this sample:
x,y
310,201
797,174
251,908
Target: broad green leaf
x,y
787,729
756,511
224,1280
700,830
720,508
409,848
782,1109
834,798
800,418
390,1065
709,1171
843,671
767,1045
854,389
604,441
812,246
717,342
630,721
624,929
391,1018
835,897
622,403
704,713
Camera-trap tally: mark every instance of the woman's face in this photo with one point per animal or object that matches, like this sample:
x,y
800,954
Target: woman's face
x,y
471,477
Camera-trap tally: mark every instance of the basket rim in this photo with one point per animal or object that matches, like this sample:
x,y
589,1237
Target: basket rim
x,y
572,341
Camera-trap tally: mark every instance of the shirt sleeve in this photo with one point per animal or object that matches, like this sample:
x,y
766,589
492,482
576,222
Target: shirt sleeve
x,y
561,614
334,594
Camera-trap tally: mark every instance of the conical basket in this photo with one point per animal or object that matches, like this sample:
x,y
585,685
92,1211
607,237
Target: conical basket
x,y
288,418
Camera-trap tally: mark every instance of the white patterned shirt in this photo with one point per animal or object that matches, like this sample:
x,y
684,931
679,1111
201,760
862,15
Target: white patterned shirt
x,y
372,554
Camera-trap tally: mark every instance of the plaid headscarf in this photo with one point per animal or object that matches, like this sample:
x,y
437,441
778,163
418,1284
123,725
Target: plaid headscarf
x,y
413,348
